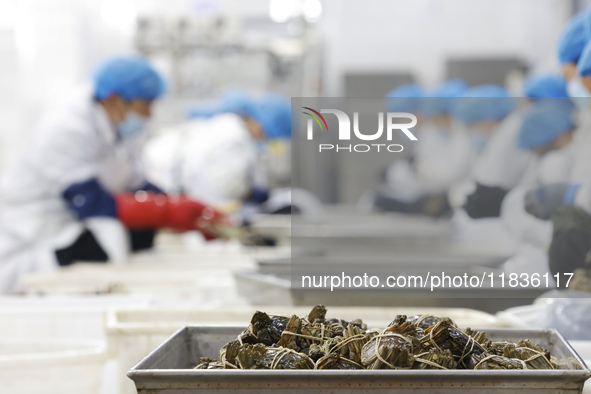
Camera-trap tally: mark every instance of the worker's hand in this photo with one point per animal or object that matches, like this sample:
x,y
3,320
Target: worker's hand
x,y
151,210
544,201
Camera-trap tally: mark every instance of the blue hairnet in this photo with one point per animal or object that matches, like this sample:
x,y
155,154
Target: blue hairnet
x,y
545,85
574,37
130,77
544,123
405,98
441,103
232,101
273,113
237,102
584,66
485,102
203,111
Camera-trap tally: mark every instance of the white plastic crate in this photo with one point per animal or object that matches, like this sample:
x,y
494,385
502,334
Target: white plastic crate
x,y
135,333
51,367
193,243
64,319
61,317
165,283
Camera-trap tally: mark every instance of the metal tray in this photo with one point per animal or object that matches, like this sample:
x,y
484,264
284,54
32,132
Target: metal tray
x,y
385,236
275,289
168,370
423,261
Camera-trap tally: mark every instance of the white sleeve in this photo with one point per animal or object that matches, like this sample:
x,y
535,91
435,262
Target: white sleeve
x,y
525,226
227,175
66,154
450,164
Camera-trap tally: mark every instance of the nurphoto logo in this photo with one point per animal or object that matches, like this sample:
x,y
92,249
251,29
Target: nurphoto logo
x,y
392,120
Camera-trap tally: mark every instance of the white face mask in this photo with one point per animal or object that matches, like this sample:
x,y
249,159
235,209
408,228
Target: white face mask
x,y
478,139
579,93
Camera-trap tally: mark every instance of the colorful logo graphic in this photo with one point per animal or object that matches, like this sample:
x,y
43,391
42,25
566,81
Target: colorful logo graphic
x,y
349,130
316,118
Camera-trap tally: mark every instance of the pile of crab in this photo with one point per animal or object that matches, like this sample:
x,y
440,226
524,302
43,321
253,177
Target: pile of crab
x,y
419,342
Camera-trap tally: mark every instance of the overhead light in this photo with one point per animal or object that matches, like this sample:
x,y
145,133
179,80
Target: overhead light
x,y
280,11
312,10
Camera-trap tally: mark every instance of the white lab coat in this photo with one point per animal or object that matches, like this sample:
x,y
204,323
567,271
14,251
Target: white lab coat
x,y
500,164
534,235
210,160
442,158
553,167
581,172
75,143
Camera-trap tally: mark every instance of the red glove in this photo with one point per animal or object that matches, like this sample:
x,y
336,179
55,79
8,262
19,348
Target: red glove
x,y
147,210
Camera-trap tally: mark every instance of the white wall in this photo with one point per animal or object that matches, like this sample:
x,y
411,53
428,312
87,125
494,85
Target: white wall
x,y
419,35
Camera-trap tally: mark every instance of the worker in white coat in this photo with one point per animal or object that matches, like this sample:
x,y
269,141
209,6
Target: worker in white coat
x,y
568,202
79,193
547,132
419,183
572,46
402,189
482,112
502,164
439,139
213,157
571,225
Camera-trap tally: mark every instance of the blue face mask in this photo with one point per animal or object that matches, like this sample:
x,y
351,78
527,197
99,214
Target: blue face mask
x,y
579,93
132,125
575,88
478,140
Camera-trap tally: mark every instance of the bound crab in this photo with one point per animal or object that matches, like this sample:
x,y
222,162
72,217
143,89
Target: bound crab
x,y
393,347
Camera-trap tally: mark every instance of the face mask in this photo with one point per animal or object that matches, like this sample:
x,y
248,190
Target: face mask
x,y
132,125
579,93
575,88
478,140
260,147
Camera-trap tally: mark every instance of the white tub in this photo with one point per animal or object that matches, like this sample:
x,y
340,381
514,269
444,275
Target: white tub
x,y
51,367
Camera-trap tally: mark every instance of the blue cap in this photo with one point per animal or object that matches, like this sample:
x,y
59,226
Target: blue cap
x,y
438,101
542,124
236,102
273,113
130,77
545,85
203,111
484,102
574,37
405,98
232,101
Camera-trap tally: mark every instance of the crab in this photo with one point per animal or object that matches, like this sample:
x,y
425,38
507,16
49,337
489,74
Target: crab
x,y
259,356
